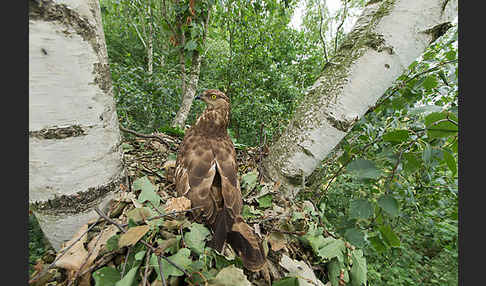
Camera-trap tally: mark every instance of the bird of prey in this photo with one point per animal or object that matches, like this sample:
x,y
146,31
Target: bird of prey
x,y
206,173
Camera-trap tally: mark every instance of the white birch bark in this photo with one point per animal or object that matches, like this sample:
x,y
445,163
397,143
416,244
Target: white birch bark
x,y
386,39
190,91
74,153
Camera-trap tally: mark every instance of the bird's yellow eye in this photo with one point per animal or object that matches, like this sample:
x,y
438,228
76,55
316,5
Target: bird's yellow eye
x,y
213,96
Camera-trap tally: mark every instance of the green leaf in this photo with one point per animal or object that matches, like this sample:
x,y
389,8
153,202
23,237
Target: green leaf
x,y
396,136
332,248
287,281
191,45
389,204
438,124
195,238
390,237
181,258
377,243
358,270
250,212
139,255
249,180
112,243
427,154
231,276
355,237
451,162
172,156
106,276
334,272
363,169
265,201
127,147
130,277
426,109
430,82
360,208
148,191
411,162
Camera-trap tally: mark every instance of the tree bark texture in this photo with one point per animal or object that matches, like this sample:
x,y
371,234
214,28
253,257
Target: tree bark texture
x,y
189,84
386,39
74,142
190,87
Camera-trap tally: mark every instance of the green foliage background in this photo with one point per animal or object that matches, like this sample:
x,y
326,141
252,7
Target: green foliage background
x,y
390,188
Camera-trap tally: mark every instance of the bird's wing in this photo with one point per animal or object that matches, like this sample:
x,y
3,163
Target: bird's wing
x,y
225,157
195,172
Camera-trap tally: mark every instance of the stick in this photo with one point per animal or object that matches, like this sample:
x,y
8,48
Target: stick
x,y
153,249
159,260
62,253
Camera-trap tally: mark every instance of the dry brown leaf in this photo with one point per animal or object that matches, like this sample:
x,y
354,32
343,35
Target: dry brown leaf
x,y
173,224
177,204
133,235
74,258
139,214
156,145
277,241
94,247
85,280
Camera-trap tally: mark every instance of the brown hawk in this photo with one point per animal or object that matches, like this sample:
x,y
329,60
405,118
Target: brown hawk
x,y
206,173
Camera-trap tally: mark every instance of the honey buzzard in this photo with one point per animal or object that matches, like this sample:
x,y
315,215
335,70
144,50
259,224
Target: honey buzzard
x,y
206,173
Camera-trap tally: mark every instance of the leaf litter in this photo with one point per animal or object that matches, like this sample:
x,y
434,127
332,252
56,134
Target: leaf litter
x,y
298,250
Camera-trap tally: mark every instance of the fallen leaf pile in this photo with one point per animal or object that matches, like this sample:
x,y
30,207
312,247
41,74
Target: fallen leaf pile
x,y
149,212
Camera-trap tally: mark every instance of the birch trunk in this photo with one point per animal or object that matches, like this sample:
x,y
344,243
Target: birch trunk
x,y
189,91
387,38
150,48
189,86
74,142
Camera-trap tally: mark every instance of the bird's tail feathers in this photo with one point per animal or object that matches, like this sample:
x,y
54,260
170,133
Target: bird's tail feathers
x,y
221,227
247,244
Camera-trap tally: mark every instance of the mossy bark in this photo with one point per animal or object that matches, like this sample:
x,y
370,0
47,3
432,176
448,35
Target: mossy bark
x,y
388,36
74,142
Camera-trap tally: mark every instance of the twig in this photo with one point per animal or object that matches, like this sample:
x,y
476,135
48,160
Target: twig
x,y
320,33
102,261
339,27
151,247
148,170
400,86
147,136
344,165
101,214
159,260
173,213
125,263
62,253
155,208
145,275
87,257
398,162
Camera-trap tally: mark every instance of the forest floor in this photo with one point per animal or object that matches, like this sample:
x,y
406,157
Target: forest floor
x,y
145,223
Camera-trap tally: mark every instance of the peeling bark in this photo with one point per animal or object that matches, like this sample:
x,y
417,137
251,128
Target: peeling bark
x,y
386,39
74,141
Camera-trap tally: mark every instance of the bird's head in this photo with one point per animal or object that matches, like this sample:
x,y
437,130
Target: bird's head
x,y
214,99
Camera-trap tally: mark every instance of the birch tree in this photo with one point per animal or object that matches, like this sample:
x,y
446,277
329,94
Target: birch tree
x,y
386,39
74,142
187,21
